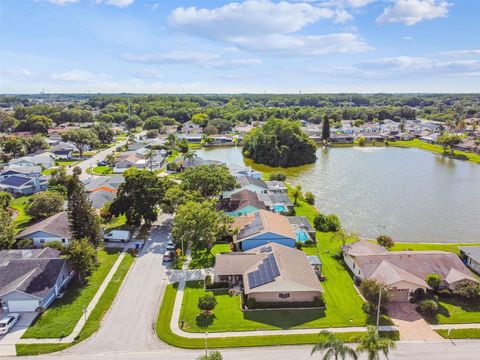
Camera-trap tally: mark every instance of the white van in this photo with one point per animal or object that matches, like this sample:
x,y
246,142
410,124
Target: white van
x,y
118,235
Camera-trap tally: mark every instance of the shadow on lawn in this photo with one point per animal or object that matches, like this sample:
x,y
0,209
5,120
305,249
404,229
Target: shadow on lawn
x,y
284,319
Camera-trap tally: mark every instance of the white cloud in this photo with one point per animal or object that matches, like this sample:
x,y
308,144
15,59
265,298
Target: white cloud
x,y
63,2
117,3
408,38
461,53
410,12
267,27
16,73
147,73
202,59
74,75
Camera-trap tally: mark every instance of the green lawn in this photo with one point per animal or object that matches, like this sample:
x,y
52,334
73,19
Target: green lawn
x,y
101,170
66,162
64,314
455,310
460,333
19,204
426,246
165,334
203,258
94,320
461,155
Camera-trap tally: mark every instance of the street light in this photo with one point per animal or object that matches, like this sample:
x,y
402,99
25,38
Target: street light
x,y
206,343
379,304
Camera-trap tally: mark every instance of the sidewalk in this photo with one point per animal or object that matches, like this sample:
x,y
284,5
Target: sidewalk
x,y
455,326
177,331
81,323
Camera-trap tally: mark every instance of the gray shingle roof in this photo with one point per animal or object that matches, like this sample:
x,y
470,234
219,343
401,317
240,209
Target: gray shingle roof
x,y
55,225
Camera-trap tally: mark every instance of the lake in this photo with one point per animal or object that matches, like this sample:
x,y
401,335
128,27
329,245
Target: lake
x,y
409,194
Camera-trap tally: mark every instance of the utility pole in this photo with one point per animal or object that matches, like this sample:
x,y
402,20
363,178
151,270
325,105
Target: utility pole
x,y
206,343
379,304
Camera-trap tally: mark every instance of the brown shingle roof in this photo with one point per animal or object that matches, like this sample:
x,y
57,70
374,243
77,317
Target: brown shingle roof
x,y
261,222
55,225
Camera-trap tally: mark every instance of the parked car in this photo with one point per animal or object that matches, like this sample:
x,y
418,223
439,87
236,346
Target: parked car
x,y
118,235
8,322
168,256
102,163
171,245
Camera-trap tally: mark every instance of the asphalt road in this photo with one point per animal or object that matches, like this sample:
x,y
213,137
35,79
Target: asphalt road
x,y
129,326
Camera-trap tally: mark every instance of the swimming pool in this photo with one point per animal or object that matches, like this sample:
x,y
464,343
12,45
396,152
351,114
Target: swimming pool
x,y
279,208
302,235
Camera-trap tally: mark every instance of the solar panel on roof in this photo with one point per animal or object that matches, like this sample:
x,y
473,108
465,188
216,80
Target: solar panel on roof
x,y
274,265
15,181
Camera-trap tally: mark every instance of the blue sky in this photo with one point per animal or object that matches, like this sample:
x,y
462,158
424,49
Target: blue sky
x,y
258,46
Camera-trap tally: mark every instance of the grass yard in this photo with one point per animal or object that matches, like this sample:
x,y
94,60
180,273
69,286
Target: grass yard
x,y
165,334
202,259
455,310
461,155
426,246
64,314
117,223
94,320
19,204
101,170
66,162
460,334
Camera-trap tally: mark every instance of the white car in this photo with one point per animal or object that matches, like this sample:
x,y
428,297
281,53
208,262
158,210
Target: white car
x,y
171,245
8,322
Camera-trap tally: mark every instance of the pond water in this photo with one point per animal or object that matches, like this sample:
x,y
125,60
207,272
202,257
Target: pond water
x,y
409,194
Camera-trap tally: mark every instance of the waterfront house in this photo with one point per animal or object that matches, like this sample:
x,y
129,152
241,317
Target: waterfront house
x,y
261,227
272,273
191,128
404,272
31,278
53,228
242,202
276,187
471,257
302,228
238,171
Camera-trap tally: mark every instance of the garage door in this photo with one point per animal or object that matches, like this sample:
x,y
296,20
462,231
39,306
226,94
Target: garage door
x,y
22,305
398,294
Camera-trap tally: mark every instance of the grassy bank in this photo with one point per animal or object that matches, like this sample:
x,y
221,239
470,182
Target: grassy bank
x,y
165,333
64,314
460,334
94,321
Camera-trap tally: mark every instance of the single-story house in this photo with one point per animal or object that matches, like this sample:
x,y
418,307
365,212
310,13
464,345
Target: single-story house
x,y
46,160
276,187
279,203
471,257
242,202
101,196
341,139
191,138
53,228
63,154
32,171
131,160
181,163
261,227
404,272
31,278
191,128
103,182
253,184
270,273
23,184
238,171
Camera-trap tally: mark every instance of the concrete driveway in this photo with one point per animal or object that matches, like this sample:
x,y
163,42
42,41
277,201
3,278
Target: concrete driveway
x,y
130,324
8,341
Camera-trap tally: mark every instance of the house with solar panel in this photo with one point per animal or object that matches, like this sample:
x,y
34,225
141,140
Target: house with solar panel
x,y
260,228
272,273
23,180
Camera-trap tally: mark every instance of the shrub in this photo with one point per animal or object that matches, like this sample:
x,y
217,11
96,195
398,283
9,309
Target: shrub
x,y
326,223
25,244
299,245
207,303
251,303
217,285
367,308
208,280
309,198
361,140
385,241
370,290
213,355
58,245
308,242
467,289
317,302
428,307
277,176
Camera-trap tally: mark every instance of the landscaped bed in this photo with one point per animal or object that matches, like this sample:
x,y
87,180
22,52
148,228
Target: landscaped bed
x,y
61,318
165,333
94,320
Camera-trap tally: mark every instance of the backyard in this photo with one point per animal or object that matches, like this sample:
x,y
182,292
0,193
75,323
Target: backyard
x,y
19,204
63,315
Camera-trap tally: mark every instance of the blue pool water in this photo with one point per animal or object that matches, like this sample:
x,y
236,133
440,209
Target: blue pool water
x,y
301,235
279,208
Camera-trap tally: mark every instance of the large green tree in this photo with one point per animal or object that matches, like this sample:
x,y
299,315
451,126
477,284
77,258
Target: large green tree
x,y
83,257
175,196
44,204
139,196
7,230
82,139
208,180
280,142
326,128
200,224
84,222
5,199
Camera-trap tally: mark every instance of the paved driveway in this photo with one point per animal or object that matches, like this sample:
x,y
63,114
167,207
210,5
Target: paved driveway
x,y
8,341
129,326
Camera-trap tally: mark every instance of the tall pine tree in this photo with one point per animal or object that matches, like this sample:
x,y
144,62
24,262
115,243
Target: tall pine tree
x,y
326,129
84,222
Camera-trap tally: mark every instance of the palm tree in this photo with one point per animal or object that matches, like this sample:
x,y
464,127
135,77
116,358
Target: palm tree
x,y
373,345
333,348
189,155
150,156
172,140
296,192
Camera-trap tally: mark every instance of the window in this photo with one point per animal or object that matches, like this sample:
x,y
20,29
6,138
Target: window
x,y
284,295
354,265
42,241
63,241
